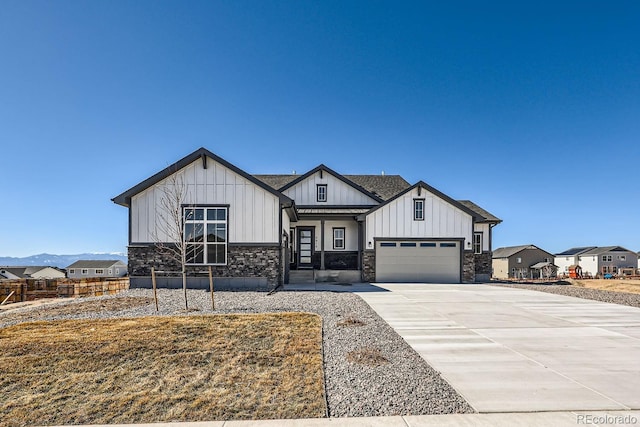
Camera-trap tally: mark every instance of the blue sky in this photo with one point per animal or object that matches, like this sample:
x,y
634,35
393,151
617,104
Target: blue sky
x,y
532,110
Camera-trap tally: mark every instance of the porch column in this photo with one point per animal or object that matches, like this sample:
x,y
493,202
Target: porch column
x,y
359,245
322,244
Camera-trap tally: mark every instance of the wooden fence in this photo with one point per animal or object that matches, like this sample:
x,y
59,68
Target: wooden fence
x,y
18,290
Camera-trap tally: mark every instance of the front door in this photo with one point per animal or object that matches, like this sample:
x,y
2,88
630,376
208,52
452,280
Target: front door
x,y
305,247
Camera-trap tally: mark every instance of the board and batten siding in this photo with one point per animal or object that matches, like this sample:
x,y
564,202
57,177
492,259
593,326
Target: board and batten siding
x,y
338,192
485,230
254,213
395,220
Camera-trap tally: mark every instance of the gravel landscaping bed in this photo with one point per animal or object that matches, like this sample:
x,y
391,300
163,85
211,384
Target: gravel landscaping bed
x,y
369,369
622,298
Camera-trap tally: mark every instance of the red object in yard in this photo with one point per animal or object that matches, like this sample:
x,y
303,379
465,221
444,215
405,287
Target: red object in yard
x,y
575,272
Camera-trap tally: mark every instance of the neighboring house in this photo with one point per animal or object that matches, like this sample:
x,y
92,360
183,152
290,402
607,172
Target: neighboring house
x,y
569,258
520,262
607,260
96,268
262,227
33,272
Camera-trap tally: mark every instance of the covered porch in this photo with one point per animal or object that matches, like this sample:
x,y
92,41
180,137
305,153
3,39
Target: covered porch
x,y
325,245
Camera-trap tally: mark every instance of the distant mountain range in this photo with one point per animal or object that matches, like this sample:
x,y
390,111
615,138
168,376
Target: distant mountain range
x,y
60,261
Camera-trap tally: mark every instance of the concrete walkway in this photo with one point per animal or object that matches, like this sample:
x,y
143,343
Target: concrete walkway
x,y
513,350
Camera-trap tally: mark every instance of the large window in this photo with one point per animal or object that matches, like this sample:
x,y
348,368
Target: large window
x,y
477,243
321,191
205,233
418,209
338,238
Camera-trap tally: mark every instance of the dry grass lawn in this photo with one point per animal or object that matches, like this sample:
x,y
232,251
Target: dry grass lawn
x,y
161,369
626,285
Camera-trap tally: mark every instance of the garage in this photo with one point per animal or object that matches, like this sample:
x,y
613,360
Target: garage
x,y
417,261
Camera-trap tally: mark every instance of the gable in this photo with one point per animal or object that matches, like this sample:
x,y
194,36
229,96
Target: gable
x,y
394,219
339,191
254,208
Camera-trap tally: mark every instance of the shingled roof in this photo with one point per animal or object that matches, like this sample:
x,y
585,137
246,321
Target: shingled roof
x,y
488,216
94,263
508,251
383,186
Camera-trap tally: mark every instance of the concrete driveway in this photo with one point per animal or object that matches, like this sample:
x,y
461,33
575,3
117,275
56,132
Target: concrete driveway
x,y
512,350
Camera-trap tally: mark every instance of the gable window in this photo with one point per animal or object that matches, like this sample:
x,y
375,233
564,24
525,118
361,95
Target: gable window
x,y
338,238
519,260
607,258
622,257
72,271
117,271
477,243
99,271
110,272
84,271
418,209
321,192
205,235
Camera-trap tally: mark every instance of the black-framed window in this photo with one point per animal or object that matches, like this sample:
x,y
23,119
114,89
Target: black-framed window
x,y
418,209
205,235
477,243
321,192
338,238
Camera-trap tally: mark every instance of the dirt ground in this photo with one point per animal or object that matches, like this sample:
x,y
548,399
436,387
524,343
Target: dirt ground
x,y
626,285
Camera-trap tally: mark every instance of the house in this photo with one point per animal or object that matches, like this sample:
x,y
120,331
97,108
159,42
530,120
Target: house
x,y
569,258
321,224
96,268
31,272
607,260
520,262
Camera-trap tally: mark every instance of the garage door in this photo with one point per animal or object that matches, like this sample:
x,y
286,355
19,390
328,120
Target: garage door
x,y
418,261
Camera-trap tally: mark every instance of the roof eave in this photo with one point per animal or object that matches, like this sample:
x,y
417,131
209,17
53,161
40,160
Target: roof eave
x,y
124,199
342,178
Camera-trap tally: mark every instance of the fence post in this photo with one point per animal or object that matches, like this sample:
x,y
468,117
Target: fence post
x,y
153,281
213,304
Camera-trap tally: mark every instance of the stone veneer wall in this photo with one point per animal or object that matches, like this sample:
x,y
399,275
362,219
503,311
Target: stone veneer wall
x,y
242,262
368,266
483,266
468,267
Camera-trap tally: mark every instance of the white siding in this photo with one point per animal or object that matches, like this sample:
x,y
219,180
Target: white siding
x,y
563,263
589,264
253,211
286,223
338,192
484,229
441,220
351,234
